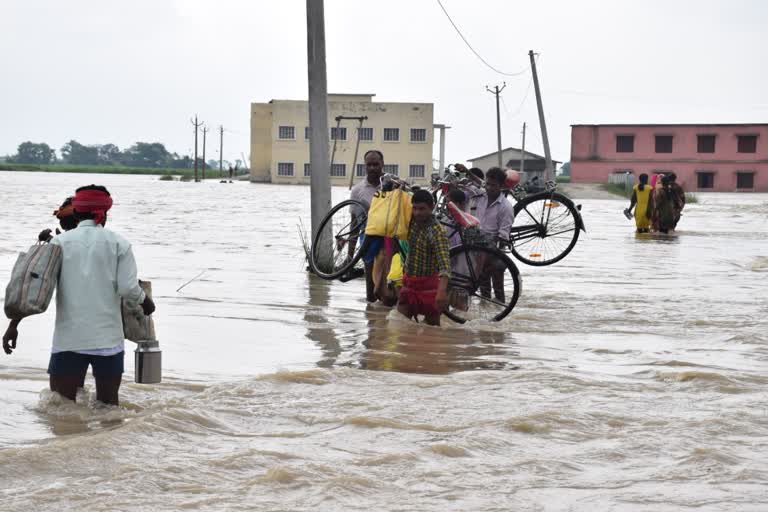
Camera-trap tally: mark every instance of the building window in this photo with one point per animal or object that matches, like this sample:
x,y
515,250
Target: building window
x,y
747,143
705,179
285,169
393,169
745,179
338,133
307,132
625,143
339,170
286,133
663,143
360,170
365,134
391,134
706,144
416,171
418,135
307,171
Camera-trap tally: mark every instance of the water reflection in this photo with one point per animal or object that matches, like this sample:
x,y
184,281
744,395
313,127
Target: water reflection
x,y
319,329
394,344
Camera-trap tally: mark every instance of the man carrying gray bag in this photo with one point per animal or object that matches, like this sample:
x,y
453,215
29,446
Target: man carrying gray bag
x,y
97,271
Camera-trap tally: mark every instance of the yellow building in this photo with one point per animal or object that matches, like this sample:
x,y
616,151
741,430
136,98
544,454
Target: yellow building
x,y
402,131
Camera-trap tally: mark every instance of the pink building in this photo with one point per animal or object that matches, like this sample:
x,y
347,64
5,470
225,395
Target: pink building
x,y
705,157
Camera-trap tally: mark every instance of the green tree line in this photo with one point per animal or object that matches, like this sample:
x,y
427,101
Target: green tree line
x,y
141,154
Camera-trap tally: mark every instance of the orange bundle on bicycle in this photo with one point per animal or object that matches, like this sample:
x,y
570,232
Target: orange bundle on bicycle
x,y
389,214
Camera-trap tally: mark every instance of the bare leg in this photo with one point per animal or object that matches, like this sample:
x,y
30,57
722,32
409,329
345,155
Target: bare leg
x,y
432,319
66,385
369,286
405,310
107,389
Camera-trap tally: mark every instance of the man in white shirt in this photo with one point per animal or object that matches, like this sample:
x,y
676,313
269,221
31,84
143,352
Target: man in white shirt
x,y
363,192
98,270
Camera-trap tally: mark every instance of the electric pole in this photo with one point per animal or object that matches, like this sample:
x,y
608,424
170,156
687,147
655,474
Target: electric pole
x,y
196,125
549,173
496,91
221,151
205,130
522,157
320,183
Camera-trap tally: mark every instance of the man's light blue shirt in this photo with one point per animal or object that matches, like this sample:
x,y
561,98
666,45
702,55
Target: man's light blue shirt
x,y
98,269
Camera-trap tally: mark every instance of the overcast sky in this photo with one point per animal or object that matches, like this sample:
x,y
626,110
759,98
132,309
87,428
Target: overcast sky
x,y
122,72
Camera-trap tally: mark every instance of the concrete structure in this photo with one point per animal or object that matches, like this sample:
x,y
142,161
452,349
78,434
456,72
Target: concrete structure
x,y
402,131
512,158
706,158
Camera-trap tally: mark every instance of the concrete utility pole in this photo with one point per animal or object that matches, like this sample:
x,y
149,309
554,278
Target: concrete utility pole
x,y
221,151
549,171
205,130
197,125
442,129
320,184
522,157
496,91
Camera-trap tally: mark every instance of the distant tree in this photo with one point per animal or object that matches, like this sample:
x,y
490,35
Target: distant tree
x,y
75,153
147,154
177,162
109,154
565,169
33,153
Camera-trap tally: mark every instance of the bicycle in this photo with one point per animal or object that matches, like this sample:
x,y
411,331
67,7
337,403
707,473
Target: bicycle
x,y
546,225
484,284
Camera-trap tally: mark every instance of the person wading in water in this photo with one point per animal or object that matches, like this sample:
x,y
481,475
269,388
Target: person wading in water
x,y
427,266
98,270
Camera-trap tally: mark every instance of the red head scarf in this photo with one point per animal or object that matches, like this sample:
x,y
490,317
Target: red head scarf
x,y
93,201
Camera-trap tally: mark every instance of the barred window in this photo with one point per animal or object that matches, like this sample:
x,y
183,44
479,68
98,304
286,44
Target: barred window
x,y
418,135
360,170
663,143
307,171
285,169
392,169
747,143
705,179
366,134
705,144
307,132
745,179
286,133
416,171
625,143
339,170
338,133
391,134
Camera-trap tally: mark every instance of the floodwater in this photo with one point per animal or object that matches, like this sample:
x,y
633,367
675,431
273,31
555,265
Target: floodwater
x,y
633,375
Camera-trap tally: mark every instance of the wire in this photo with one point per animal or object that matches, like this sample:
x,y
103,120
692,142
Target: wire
x,y
473,50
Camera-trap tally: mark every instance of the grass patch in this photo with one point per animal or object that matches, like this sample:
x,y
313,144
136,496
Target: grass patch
x,y
96,169
563,179
186,177
691,198
619,190
166,177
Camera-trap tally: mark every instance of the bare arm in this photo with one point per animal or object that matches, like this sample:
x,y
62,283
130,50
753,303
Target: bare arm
x,y
11,336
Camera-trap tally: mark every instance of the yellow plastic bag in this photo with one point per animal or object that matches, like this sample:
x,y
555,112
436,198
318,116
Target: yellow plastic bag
x,y
389,214
395,275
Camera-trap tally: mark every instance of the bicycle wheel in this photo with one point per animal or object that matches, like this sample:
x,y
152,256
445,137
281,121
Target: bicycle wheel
x,y
484,285
545,229
336,246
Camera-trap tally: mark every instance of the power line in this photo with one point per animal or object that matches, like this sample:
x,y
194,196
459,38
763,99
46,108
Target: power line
x,y
473,50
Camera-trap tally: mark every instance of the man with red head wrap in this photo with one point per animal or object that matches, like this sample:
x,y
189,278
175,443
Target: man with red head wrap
x,y
98,270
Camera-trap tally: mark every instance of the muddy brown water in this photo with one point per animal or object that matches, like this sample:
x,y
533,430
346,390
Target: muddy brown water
x,y
631,376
